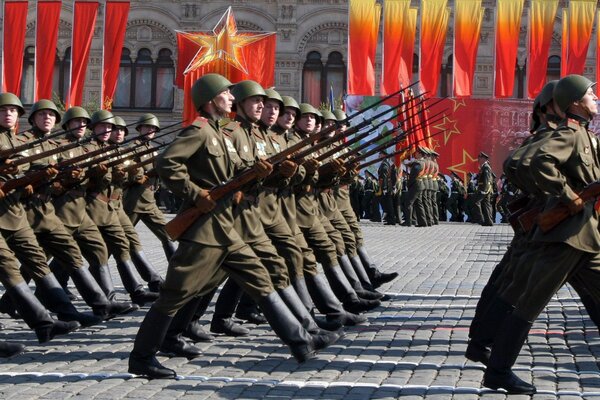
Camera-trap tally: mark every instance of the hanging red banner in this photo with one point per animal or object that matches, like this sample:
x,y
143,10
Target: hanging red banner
x,y
115,25
508,22
581,21
467,25
541,26
46,35
84,20
434,25
15,25
363,28
394,19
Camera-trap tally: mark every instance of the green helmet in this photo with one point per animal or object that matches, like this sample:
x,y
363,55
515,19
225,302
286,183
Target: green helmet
x,y
328,115
102,116
340,114
569,89
43,104
244,89
120,123
72,113
306,108
207,87
9,99
147,119
273,95
289,101
545,95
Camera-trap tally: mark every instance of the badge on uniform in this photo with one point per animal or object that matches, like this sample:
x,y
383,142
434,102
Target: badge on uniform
x,y
261,148
245,148
214,142
230,146
586,150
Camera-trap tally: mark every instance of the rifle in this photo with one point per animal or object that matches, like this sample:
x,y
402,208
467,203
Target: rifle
x,y
548,219
181,223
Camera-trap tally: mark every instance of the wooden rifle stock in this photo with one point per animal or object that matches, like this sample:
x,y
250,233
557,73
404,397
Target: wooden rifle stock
x,y
549,219
32,178
526,218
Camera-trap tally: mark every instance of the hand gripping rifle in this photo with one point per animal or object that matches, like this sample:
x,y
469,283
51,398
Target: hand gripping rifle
x,y
549,219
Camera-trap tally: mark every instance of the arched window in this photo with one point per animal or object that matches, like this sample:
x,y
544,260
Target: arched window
x,y
445,86
145,84
553,69
27,80
61,81
335,75
311,78
518,88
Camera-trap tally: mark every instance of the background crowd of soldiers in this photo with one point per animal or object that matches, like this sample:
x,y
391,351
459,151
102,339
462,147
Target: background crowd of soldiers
x,y
417,188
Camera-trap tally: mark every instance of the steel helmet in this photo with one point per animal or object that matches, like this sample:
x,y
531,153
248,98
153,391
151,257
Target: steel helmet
x,y
207,87
10,99
72,113
43,104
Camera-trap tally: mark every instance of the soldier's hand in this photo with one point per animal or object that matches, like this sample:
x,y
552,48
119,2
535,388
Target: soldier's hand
x,y
204,202
51,173
237,197
75,174
311,165
119,173
2,194
57,188
28,190
143,179
576,205
263,168
100,170
339,167
9,168
288,168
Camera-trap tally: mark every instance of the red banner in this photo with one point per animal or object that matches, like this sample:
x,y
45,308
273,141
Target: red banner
x,y
541,26
434,25
46,35
84,20
115,24
581,20
508,22
363,28
394,41
15,24
467,25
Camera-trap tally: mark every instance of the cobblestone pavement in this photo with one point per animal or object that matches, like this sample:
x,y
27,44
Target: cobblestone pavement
x,y
412,345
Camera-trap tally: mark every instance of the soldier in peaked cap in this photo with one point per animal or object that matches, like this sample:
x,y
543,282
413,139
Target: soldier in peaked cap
x,y
483,200
200,158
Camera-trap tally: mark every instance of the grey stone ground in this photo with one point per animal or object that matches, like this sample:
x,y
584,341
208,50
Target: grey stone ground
x,y
412,346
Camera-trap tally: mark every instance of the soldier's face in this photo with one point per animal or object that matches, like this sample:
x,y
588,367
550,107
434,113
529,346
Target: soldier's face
x,y
117,135
287,118
147,132
9,115
307,123
44,120
327,124
252,107
223,102
589,103
270,112
102,131
76,127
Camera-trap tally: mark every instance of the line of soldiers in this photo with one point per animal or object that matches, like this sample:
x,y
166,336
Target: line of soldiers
x,y
263,231
555,220
74,197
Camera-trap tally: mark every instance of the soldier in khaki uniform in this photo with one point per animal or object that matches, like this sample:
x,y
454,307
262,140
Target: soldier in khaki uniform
x,y
139,202
200,158
15,228
485,182
564,164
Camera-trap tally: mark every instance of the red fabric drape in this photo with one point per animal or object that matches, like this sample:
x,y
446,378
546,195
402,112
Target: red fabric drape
x,y
416,135
363,27
434,24
260,62
467,25
394,18
46,35
541,25
84,20
115,24
564,51
15,24
581,20
508,21
598,52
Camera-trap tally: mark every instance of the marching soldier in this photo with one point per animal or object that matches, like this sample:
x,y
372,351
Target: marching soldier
x,y
485,190
415,210
370,187
457,199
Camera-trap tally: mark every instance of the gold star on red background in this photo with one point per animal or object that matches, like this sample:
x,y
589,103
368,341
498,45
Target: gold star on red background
x,y
468,164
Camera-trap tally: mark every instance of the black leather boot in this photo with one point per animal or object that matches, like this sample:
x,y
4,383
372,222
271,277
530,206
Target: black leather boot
x,y
8,349
194,330
482,336
101,274
377,278
225,306
302,344
247,310
174,345
146,270
328,304
95,298
142,360
62,277
36,316
293,302
169,248
53,297
344,291
348,269
133,285
507,345
299,284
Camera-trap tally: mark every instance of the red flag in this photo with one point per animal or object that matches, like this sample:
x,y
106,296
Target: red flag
x,y
415,136
15,24
84,20
115,24
46,35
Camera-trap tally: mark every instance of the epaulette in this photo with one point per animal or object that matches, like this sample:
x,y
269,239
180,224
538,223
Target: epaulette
x,y
231,126
200,122
573,123
24,137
